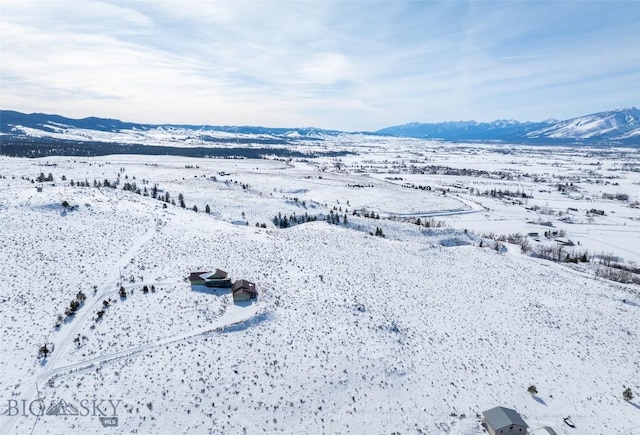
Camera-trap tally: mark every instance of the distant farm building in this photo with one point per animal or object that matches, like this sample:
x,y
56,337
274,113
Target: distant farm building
x,y
219,278
243,290
39,188
501,420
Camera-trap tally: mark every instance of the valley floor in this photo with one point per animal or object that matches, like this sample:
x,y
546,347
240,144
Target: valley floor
x,y
418,331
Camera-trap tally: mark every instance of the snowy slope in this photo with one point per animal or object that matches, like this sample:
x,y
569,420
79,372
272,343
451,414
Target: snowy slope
x,y
465,130
38,126
616,124
621,125
417,332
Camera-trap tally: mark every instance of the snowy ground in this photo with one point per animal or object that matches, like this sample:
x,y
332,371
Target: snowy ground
x,y
416,332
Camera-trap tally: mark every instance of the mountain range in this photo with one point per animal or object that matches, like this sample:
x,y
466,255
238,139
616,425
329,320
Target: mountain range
x,y
620,126
616,127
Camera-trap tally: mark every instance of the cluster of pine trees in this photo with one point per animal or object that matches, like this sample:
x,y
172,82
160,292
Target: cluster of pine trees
x,y
96,183
283,221
499,193
42,178
366,213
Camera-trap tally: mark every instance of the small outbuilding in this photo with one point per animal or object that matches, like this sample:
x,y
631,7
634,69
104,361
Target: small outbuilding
x,y
501,420
243,291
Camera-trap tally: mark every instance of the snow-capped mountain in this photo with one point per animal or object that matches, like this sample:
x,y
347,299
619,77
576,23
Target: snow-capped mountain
x,y
39,125
616,124
465,130
621,126
617,127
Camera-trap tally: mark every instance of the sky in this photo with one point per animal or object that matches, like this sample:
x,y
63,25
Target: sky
x,y
346,65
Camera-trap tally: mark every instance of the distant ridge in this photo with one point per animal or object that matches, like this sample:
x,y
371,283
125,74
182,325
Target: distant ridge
x,y
42,135
10,120
615,127
621,126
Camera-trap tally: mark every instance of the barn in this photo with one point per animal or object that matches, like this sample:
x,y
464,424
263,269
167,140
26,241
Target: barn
x,y
501,420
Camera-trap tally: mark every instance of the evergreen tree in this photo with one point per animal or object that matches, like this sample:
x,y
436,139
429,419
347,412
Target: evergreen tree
x,y
532,389
44,351
195,208
627,394
73,306
207,209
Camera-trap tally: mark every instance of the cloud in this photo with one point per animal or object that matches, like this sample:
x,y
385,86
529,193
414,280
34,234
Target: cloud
x,y
347,65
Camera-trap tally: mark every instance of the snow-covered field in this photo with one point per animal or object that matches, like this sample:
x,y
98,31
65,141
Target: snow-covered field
x,y
415,332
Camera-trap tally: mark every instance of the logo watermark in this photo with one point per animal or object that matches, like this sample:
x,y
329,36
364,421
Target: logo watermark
x,y
104,409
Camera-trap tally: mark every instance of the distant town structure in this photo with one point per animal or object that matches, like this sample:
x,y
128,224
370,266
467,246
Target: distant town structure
x,y
501,420
243,290
219,278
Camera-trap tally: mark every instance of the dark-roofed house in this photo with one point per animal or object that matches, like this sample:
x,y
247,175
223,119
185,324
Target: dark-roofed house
x,y
243,290
501,420
196,278
219,278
